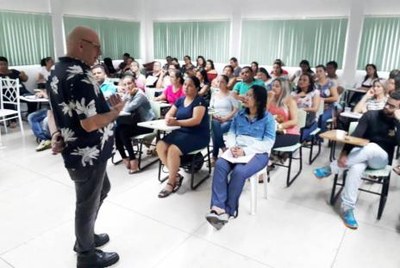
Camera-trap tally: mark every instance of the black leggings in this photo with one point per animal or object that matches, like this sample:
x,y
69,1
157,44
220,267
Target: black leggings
x,y
283,140
123,134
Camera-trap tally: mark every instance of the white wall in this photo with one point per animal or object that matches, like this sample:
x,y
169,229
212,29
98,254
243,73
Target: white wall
x,y
147,11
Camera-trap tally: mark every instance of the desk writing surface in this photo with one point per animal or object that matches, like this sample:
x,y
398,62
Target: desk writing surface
x,y
33,98
351,115
158,125
331,135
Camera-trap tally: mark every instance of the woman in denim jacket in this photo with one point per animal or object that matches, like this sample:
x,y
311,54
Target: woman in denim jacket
x,y
251,135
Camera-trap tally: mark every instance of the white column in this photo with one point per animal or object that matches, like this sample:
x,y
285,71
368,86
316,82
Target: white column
x,y
146,32
353,39
56,12
236,31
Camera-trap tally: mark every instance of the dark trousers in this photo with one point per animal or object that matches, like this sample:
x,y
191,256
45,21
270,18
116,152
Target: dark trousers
x,y
123,134
91,187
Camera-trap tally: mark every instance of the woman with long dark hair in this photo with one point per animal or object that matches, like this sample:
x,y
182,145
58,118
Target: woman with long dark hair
x,y
251,135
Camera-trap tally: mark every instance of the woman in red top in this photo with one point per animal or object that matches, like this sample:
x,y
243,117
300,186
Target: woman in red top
x,y
210,69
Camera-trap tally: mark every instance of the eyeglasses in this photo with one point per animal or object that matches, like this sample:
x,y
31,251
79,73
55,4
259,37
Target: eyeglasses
x,y
92,43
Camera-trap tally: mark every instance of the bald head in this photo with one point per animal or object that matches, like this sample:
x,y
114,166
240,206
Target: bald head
x,y
83,43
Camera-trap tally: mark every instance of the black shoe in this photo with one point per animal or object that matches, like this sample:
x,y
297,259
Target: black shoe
x,y
97,259
99,240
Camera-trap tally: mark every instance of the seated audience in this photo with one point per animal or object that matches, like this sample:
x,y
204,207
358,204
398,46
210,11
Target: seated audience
x,y
307,99
366,84
13,74
328,93
252,134
164,78
122,67
277,70
45,68
254,68
205,91
263,75
235,65
374,99
140,78
190,113
227,71
381,128
152,77
168,61
106,86
200,63
240,89
139,109
391,81
188,67
225,107
109,67
304,69
211,72
174,91
284,109
331,68
38,122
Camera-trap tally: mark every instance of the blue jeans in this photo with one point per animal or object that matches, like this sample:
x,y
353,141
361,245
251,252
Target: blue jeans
x,y
305,132
327,114
225,192
38,122
91,187
218,130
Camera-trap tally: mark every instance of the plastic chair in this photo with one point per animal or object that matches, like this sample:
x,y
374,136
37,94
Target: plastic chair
x,y
253,190
9,95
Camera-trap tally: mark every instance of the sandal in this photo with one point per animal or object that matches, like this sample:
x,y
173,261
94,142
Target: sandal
x,y
164,192
178,183
133,167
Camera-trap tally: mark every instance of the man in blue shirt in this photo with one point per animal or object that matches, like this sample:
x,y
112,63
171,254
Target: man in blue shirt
x,y
240,89
82,127
106,86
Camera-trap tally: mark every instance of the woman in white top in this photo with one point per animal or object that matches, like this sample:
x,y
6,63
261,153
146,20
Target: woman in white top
x,y
307,98
224,106
46,65
366,84
374,99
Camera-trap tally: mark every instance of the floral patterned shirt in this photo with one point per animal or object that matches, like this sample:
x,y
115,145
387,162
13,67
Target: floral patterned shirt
x,y
74,96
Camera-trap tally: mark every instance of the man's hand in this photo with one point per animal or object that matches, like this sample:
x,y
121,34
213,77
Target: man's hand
x,y
116,102
57,143
342,161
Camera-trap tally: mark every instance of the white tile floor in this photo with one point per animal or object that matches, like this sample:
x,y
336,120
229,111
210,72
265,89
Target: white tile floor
x,y
294,227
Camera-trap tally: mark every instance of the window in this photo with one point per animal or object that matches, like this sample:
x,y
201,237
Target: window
x,y
317,40
177,39
380,43
116,37
25,38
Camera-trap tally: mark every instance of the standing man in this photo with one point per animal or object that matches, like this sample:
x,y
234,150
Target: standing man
x,y
82,127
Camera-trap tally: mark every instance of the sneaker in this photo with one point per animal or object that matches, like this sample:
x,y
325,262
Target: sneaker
x,y
217,220
322,172
43,145
349,220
